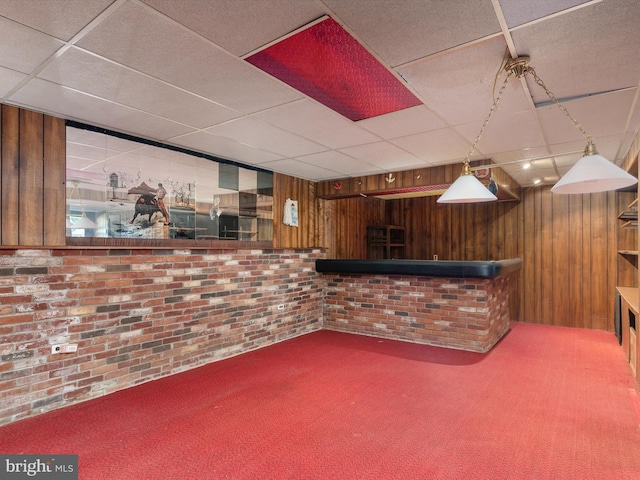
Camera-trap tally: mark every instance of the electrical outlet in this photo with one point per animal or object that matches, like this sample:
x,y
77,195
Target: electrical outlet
x,y
70,348
64,348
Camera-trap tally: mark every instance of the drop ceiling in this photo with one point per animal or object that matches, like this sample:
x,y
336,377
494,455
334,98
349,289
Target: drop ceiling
x,y
175,71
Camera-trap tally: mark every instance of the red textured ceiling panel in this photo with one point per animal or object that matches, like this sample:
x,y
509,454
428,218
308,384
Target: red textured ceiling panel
x,y
329,65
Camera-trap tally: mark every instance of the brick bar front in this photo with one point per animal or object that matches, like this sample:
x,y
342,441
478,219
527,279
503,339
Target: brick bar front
x,y
461,313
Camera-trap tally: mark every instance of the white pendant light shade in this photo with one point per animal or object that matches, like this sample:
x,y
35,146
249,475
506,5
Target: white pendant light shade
x,y
593,173
84,222
467,189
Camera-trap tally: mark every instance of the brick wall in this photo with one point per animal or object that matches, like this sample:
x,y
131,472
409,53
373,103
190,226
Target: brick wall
x,y
138,315
468,314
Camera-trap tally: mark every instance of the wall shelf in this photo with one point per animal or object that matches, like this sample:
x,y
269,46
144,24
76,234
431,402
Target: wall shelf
x,y
630,215
627,309
627,268
385,242
629,315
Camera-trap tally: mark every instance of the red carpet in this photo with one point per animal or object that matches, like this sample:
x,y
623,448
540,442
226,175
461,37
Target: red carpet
x,y
545,403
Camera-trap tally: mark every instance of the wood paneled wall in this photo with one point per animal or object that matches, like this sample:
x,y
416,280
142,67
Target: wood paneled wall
x,y
346,224
456,231
32,188
486,231
339,226
310,230
33,195
567,244
438,178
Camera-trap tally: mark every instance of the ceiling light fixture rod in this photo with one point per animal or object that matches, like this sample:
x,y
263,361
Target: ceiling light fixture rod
x,y
526,160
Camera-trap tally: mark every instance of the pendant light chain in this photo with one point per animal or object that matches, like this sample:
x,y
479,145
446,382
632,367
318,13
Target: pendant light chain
x,y
592,173
553,98
494,107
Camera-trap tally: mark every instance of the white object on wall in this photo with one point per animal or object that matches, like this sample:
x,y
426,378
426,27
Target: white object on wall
x,y
290,216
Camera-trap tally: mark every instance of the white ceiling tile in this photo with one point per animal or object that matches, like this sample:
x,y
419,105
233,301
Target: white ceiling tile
x,y
338,162
239,25
519,154
225,148
91,74
599,115
436,147
110,144
140,38
586,51
568,147
542,163
9,79
567,160
58,18
22,48
171,82
459,87
402,31
67,103
517,12
522,177
403,122
504,133
608,147
311,120
259,134
383,155
299,169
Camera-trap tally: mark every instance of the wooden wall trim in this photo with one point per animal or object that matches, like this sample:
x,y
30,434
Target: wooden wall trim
x,y
10,174
31,179
433,179
308,233
55,163
32,167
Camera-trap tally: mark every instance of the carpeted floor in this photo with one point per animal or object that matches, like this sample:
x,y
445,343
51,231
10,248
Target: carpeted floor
x,y
545,403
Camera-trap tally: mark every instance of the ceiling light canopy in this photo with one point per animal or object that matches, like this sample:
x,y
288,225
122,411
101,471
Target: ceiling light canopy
x,y
592,173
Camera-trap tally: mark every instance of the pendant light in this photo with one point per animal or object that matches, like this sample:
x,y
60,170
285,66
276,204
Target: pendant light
x,y
84,221
467,189
592,173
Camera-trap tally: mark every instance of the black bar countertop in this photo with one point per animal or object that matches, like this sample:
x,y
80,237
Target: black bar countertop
x,y
424,268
